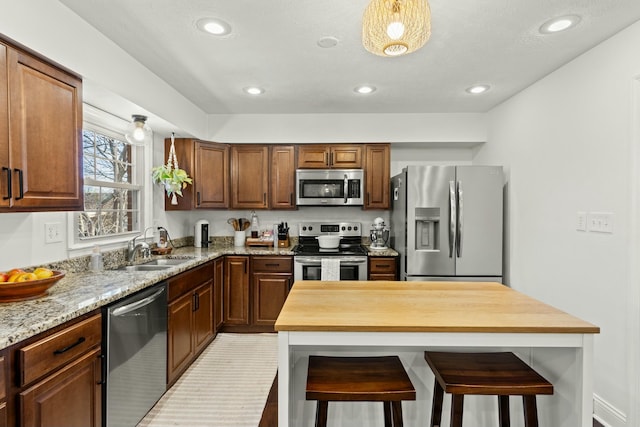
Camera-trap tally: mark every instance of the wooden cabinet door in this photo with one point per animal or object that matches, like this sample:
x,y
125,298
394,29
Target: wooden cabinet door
x,y
5,172
180,345
282,183
211,180
269,294
45,106
203,315
70,397
377,176
313,156
218,299
236,290
345,157
249,176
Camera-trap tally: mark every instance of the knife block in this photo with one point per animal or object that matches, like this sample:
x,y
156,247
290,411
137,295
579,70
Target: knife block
x,y
283,240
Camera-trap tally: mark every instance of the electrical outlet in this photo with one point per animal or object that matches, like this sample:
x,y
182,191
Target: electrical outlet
x,y
52,232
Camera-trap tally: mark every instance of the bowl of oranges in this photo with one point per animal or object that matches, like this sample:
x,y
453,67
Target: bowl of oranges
x,y
19,285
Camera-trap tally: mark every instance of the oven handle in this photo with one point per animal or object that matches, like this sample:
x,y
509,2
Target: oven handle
x,y
343,261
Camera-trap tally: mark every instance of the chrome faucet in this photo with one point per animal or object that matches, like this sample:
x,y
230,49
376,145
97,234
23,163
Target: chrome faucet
x,y
133,247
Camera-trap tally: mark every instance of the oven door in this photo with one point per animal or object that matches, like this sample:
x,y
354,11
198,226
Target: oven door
x,y
309,267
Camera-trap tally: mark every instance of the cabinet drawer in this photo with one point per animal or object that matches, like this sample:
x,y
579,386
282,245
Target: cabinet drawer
x,y
269,264
382,265
189,280
51,352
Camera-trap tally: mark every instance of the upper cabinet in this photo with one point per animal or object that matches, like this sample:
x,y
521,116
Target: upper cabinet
x,y
283,177
40,134
377,168
249,176
207,163
336,156
262,176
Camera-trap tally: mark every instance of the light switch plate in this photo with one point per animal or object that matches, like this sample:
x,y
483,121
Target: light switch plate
x,y
600,222
581,221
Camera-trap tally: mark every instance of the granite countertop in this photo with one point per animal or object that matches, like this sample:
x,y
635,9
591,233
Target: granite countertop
x,y
79,293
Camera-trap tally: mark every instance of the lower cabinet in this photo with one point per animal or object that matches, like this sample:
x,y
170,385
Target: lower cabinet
x,y
383,268
255,289
218,286
236,291
57,379
191,323
272,278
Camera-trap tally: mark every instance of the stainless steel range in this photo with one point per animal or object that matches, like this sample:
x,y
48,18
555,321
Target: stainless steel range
x,y
308,255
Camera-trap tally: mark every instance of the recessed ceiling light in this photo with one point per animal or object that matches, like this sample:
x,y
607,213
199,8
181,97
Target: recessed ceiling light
x,y
214,26
365,89
477,89
253,90
562,23
327,42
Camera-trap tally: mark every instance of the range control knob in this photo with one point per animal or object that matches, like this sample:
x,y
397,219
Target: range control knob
x,y
310,228
344,228
349,228
355,228
304,228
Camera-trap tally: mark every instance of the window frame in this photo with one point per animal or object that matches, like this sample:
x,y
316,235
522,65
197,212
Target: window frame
x,y
108,124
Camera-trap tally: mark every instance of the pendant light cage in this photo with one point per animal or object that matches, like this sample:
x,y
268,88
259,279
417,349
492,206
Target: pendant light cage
x,y
396,27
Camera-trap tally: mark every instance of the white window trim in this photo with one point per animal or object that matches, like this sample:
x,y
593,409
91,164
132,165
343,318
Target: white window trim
x,y
101,120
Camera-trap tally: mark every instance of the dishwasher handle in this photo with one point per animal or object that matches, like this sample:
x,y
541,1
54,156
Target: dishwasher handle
x,y
126,309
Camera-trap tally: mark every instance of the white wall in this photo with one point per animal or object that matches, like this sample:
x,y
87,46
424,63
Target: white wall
x,y
566,145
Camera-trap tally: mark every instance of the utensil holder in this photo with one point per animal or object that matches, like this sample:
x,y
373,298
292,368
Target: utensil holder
x,y
239,238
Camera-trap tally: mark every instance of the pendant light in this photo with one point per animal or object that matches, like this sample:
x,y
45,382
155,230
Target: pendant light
x,y
396,27
138,131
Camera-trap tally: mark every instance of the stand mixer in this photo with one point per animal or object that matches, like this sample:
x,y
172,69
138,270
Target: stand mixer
x,y
379,234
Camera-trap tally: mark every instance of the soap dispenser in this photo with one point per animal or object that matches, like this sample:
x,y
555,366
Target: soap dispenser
x,y
255,225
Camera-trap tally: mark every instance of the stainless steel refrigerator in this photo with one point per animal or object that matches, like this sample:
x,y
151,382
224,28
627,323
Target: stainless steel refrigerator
x,y
446,222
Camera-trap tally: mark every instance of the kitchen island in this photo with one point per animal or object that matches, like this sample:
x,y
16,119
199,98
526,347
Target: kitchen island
x,y
407,318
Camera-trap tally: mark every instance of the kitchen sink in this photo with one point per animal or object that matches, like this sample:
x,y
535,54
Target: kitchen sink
x,y
157,264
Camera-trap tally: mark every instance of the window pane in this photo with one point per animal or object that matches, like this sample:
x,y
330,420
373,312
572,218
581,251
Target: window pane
x,y
108,210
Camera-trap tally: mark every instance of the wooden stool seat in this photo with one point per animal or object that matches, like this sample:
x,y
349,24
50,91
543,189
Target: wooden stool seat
x,y
359,379
501,374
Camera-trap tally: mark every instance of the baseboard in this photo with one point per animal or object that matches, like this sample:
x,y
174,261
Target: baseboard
x,y
607,414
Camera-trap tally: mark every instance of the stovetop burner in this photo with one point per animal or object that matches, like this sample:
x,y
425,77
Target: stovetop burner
x,y
350,238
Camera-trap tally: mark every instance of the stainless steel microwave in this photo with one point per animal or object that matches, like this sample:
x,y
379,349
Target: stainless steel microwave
x,y
330,187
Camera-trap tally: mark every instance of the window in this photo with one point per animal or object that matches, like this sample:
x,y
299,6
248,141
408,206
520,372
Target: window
x,y
113,184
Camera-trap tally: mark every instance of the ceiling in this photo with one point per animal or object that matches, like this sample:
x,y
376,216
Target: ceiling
x,y
274,45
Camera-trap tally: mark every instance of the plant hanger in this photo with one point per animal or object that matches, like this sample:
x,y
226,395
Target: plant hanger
x,y
171,176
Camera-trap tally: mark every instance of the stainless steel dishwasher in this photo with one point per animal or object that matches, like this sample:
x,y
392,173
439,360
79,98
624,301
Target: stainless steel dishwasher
x,y
136,362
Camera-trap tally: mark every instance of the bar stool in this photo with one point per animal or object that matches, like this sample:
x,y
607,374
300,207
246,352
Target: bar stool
x,y
359,379
501,374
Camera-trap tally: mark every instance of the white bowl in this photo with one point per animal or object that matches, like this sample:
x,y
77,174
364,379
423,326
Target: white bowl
x,y
328,242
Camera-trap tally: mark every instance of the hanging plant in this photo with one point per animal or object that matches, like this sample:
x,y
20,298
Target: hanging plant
x,y
170,176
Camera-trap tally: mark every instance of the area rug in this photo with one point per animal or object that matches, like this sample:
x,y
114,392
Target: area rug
x,y
226,387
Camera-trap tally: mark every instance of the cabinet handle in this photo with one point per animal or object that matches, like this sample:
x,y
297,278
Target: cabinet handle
x,y
384,265
194,302
326,159
8,196
271,264
69,347
20,182
198,198
264,198
291,198
367,198
331,160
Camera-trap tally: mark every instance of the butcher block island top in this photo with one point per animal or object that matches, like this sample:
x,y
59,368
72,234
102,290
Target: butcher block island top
x,y
386,306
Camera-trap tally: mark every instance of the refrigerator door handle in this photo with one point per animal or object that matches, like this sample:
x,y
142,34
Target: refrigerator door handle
x,y
452,216
460,220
